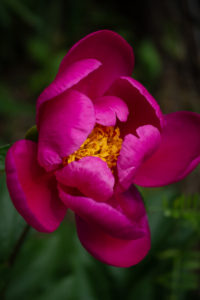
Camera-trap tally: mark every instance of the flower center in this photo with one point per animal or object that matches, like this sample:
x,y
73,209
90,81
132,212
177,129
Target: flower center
x,y
103,142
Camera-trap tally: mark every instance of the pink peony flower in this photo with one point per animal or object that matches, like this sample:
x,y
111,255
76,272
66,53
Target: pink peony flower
x,y
100,131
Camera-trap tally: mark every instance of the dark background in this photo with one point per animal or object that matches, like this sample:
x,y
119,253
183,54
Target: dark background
x,y
165,36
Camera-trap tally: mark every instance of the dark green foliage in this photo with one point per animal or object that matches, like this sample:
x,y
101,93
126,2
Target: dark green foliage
x,y
3,151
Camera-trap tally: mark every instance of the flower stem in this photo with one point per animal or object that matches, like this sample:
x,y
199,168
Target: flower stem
x,y
12,258
18,245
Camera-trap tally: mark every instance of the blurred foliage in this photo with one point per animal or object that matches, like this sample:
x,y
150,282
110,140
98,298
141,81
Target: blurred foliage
x,y
35,37
3,151
149,62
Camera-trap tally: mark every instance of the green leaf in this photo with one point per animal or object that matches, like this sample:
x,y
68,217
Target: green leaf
x,y
32,134
149,59
11,223
9,107
3,151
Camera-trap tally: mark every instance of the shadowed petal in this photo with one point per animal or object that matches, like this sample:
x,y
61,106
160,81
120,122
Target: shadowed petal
x,y
65,123
111,219
178,154
135,150
90,175
107,108
32,190
131,203
110,250
143,109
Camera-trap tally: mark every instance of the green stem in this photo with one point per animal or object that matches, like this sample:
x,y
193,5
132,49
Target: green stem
x,y
13,257
18,245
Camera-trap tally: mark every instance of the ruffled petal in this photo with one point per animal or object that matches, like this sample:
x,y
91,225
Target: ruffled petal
x,y
111,50
90,175
178,154
68,78
65,123
110,250
107,108
110,219
135,150
32,190
143,109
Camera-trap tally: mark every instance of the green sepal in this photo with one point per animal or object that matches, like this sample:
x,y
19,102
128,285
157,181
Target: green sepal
x,y
32,134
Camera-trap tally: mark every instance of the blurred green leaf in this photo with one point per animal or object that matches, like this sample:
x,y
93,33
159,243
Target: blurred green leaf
x,y
186,208
62,289
9,106
172,42
48,63
24,12
5,18
39,50
11,223
3,151
149,60
32,134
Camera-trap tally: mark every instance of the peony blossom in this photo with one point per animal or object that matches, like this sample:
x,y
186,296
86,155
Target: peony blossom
x,y
99,133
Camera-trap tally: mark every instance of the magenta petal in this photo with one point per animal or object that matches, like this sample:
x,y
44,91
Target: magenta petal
x,y
135,150
131,203
33,192
90,175
65,123
66,79
143,109
107,108
111,219
178,154
111,50
110,250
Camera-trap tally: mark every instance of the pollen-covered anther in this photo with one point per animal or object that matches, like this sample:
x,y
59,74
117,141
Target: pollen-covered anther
x,y
103,142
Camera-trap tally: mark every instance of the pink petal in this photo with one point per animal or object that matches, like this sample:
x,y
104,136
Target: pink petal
x,y
107,108
111,50
110,250
131,203
66,79
135,150
65,123
143,109
178,154
33,192
110,219
90,175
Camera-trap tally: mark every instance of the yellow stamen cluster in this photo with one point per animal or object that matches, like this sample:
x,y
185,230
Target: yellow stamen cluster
x,y
103,142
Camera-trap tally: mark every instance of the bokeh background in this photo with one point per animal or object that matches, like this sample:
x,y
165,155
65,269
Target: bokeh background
x,y
165,36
